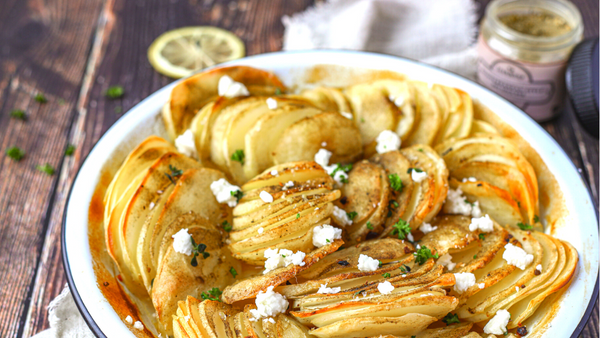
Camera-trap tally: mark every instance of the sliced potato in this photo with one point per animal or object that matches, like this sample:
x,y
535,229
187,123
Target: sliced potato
x,y
408,324
328,99
430,117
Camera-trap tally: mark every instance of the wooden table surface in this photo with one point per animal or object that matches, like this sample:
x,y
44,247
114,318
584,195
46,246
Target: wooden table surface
x,y
71,51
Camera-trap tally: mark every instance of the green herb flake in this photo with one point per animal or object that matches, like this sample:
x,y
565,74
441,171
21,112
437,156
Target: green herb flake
x,y
536,219
524,226
174,172
297,215
15,153
197,250
114,92
238,194
362,120
277,91
417,170
233,272
423,254
421,149
18,114
213,294
386,275
70,150
344,179
380,263
40,98
369,225
467,201
395,182
339,167
327,240
474,256
352,215
238,156
451,319
46,168
482,237
401,228
226,226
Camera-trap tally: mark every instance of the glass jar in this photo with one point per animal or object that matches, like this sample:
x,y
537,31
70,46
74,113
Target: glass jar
x,y
526,64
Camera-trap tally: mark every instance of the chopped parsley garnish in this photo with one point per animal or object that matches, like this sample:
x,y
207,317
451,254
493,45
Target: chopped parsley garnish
x,y
345,168
380,263
423,254
467,201
404,268
401,228
70,150
421,149
536,219
226,226
451,319
344,179
362,120
352,215
197,250
369,225
297,215
386,275
15,153
524,226
115,92
233,272
238,156
482,237
238,194
417,170
395,182
174,172
40,98
46,168
277,91
18,114
474,256
327,239
213,294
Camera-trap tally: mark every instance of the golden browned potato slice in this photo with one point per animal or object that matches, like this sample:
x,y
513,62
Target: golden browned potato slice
x,y
250,287
428,195
182,315
430,117
453,117
466,112
143,202
401,94
451,331
367,195
408,324
373,111
395,163
288,327
329,130
452,234
212,318
328,99
295,172
176,278
193,93
496,202
138,160
482,127
262,138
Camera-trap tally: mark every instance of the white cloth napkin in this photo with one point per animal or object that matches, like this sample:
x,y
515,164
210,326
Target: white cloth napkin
x,y
438,32
64,318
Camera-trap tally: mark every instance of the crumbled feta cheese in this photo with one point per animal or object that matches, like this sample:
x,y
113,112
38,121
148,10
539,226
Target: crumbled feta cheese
x,y
446,260
497,325
129,320
288,185
159,192
269,304
186,145
410,237
418,176
261,230
271,320
323,144
476,211
481,285
346,115
484,224
539,267
517,289
385,288
322,157
271,103
152,205
229,88
464,280
222,191
138,325
470,179
398,101
266,197
367,264
182,242
516,256
427,228
280,258
341,217
456,203
325,234
325,290
387,140
274,172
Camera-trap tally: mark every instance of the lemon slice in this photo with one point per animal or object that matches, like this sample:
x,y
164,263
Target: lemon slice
x,y
180,52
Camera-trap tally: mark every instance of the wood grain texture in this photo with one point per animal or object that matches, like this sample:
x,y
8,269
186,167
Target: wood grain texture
x,y
72,50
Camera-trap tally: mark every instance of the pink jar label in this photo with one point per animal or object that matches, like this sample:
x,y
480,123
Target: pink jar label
x,y
538,89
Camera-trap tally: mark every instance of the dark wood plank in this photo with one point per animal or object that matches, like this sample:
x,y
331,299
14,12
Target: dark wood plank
x,y
43,49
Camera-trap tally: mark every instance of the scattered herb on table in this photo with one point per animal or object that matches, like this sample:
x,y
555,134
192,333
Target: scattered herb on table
x,y
18,114
115,92
70,150
40,98
46,168
15,153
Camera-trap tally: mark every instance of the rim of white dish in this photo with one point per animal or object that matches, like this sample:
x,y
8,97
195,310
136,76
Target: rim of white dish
x,y
104,321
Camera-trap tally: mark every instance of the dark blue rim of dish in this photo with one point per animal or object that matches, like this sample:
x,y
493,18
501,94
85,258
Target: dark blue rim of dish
x,y
77,298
